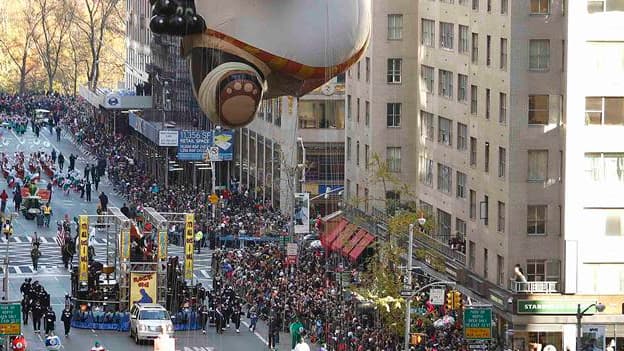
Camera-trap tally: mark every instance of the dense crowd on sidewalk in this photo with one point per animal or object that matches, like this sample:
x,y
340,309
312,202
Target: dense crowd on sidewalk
x,y
279,293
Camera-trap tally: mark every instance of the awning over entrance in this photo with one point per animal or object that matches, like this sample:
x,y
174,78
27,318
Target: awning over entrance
x,y
346,238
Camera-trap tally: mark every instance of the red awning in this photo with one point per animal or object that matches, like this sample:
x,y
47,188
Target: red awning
x,y
361,245
344,237
328,238
354,240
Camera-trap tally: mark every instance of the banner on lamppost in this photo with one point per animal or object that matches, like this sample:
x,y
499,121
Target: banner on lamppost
x,y
124,238
302,213
83,248
189,243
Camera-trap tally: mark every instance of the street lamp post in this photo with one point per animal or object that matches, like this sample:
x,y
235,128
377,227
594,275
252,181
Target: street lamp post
x,y
579,316
410,259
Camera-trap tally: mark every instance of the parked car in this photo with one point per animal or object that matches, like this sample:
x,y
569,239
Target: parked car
x,y
149,321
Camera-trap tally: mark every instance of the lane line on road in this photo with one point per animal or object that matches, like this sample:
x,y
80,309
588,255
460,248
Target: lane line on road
x,y
256,333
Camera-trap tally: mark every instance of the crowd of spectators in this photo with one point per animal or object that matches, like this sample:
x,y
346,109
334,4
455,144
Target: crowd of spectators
x,y
281,294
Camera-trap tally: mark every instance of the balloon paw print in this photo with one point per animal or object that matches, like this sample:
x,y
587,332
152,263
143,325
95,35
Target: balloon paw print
x,y
175,17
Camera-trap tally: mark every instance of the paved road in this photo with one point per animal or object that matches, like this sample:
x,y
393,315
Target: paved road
x,y
55,278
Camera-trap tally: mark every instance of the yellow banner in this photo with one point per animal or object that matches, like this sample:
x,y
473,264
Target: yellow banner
x,y
189,245
83,247
162,244
143,288
124,239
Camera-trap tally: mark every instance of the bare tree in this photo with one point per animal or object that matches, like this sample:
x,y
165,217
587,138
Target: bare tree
x,y
55,18
16,43
102,18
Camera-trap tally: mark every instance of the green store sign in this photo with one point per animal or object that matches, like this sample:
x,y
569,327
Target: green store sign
x,y
553,307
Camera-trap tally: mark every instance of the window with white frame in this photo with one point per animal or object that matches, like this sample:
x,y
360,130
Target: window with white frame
x,y
486,260
474,102
428,33
537,165
462,136
445,83
348,148
460,190
605,168
427,128
503,54
540,7
601,110
443,225
488,50
536,270
357,110
426,77
502,162
500,223
445,175
595,6
357,153
426,171
446,35
366,156
473,151
394,70
473,204
463,45
488,101
502,108
536,219
462,87
393,114
539,54
504,7
539,109
475,48
393,158
426,207
460,228
395,27
445,126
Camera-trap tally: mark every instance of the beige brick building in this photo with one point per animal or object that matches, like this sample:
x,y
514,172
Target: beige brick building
x,y
509,115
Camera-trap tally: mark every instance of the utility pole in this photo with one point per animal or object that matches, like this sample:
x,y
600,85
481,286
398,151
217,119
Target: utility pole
x,y
408,286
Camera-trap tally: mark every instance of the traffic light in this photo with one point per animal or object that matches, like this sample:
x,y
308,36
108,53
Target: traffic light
x,y
449,300
457,300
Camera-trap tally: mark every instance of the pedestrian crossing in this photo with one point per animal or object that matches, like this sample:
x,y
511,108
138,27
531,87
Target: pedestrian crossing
x,y
51,264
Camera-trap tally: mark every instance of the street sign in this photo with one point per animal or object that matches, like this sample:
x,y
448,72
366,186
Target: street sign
x,y
478,323
407,293
213,198
481,347
291,253
436,296
10,319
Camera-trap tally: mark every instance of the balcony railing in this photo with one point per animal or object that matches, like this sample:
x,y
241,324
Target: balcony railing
x,y
541,287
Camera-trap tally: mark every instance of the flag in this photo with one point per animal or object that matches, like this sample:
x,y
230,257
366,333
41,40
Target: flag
x,y
60,239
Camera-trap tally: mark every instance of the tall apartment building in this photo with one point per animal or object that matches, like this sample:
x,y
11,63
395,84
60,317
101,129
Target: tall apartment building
x,y
138,38
381,110
511,112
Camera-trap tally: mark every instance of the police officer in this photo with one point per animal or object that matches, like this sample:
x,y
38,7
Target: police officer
x,y
66,317
49,319
37,314
203,317
26,287
25,308
237,310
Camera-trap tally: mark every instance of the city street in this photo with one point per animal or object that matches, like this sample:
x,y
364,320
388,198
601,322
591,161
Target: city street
x,y
56,279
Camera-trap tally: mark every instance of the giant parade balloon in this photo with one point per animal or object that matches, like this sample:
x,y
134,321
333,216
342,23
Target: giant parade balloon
x,y
243,51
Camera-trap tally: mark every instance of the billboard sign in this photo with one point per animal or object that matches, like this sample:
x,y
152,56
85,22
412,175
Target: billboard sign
x,y
302,213
194,145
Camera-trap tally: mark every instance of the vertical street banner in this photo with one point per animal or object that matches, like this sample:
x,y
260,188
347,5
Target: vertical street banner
x,y
189,243
124,238
83,247
593,338
143,288
162,243
302,213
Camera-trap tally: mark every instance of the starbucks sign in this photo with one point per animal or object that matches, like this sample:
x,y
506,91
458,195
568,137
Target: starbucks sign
x,y
553,307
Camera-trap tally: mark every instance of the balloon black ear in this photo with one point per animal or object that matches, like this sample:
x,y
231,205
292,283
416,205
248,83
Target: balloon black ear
x,y
176,25
158,24
167,7
196,24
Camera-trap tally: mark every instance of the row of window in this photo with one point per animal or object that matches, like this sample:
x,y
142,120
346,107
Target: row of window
x,y
358,110
467,42
393,156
